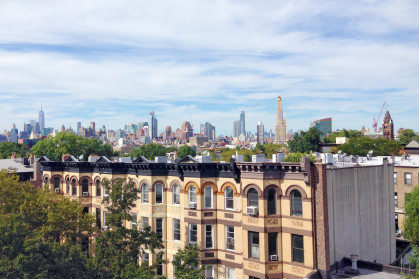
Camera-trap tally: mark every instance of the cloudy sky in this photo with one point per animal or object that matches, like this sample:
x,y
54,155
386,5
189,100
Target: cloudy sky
x,y
113,62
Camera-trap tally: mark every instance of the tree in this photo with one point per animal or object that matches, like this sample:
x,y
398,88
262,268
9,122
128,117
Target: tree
x,y
305,142
40,232
149,151
361,146
296,157
68,143
185,262
117,249
186,150
407,135
411,225
344,133
7,148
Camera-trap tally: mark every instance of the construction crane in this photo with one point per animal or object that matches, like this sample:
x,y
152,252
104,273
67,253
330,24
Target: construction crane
x,y
374,123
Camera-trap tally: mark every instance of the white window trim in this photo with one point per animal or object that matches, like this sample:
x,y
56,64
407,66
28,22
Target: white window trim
x,y
195,193
159,185
226,237
233,272
211,196
211,275
190,234
174,194
180,230
212,237
225,199
142,193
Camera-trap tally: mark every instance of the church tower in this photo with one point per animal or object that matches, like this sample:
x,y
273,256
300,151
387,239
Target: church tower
x,y
388,128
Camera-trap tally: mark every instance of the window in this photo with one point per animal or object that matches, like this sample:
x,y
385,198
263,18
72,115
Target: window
x,y
209,239
68,185
176,229
105,191
134,222
395,177
252,198
253,245
159,269
85,187
46,181
57,184
74,188
297,248
395,198
208,197
159,227
105,216
209,272
98,194
145,193
159,193
229,198
230,273
144,222
272,202
229,237
176,194
272,246
145,257
296,203
98,215
193,233
192,196
407,178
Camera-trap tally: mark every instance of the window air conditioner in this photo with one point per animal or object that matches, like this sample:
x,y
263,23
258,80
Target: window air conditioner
x,y
273,257
192,205
57,190
252,210
85,194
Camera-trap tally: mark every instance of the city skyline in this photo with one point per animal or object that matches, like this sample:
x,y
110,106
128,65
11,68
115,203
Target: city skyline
x,y
206,62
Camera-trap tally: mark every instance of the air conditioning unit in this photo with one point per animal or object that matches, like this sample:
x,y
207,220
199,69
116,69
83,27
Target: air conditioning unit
x,y
105,195
273,257
192,205
252,210
57,190
85,194
105,228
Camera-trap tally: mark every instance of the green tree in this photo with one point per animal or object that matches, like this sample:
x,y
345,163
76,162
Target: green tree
x,y
411,225
7,148
407,135
380,146
344,133
305,142
40,232
68,143
149,151
117,250
186,150
185,262
296,157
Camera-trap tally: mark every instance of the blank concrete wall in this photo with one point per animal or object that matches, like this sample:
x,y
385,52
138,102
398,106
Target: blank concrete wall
x,y
361,213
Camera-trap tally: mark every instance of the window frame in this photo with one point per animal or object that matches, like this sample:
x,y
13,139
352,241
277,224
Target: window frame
x,y
134,221
209,272
68,185
395,177
192,193
98,189
229,238
158,193
145,193
230,272
408,181
296,202
211,197
192,233
176,231
254,248
253,198
228,199
211,235
271,203
159,231
55,184
272,252
294,249
73,187
396,199
145,220
84,186
176,194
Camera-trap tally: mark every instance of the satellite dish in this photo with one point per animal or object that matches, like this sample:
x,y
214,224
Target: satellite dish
x,y
370,152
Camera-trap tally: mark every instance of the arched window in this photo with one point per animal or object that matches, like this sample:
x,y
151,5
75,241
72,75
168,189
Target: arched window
x,y
159,193
85,187
46,181
229,198
176,194
144,190
271,202
192,197
252,198
57,184
296,203
98,192
67,182
208,197
74,188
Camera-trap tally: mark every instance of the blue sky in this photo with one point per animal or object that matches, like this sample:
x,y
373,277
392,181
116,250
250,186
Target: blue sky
x,y
113,62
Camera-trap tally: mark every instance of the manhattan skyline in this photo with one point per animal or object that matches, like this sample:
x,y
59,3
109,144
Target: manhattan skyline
x,y
113,63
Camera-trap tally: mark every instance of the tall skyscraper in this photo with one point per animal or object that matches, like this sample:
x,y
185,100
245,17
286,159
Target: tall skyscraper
x,y
208,130
41,120
242,123
78,126
152,125
236,128
260,133
281,124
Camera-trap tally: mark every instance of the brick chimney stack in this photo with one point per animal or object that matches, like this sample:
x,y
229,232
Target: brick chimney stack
x,y
31,159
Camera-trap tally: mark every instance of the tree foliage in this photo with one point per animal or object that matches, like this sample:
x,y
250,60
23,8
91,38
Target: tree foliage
x,y
407,135
150,151
411,225
344,133
380,146
40,232
305,141
68,143
296,157
7,148
185,262
186,150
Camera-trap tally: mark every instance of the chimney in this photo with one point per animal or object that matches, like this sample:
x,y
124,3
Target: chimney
x,y
13,156
31,159
65,157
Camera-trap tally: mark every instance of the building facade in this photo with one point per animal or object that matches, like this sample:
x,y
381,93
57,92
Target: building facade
x,y
281,124
388,126
152,125
260,136
324,125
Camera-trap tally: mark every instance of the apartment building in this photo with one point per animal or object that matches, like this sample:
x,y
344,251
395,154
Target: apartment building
x,y
249,220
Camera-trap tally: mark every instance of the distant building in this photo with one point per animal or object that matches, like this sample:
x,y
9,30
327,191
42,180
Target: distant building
x,y
78,126
14,133
236,128
260,133
167,133
239,126
198,141
324,125
388,128
41,121
130,128
152,125
208,131
281,124
186,130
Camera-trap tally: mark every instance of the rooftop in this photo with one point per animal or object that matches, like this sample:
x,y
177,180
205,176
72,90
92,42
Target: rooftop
x,y
15,165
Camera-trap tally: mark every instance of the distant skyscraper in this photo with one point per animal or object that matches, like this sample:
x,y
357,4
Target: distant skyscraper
x,y
242,123
260,133
93,126
281,124
78,126
236,128
324,125
41,120
152,125
208,130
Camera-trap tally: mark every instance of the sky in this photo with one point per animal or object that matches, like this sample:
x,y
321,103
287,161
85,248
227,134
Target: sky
x,y
113,62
